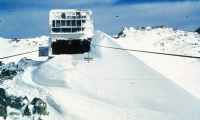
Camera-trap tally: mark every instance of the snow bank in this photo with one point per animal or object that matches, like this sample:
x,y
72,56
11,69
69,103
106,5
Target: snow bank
x,y
52,72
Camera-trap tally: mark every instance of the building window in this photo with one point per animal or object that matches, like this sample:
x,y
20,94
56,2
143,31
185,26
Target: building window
x,y
73,22
66,30
57,23
56,30
76,29
62,22
78,23
68,22
53,23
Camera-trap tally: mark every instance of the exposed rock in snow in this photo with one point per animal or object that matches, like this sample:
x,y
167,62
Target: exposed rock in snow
x,y
3,104
10,70
18,102
28,110
3,110
124,32
39,106
198,30
19,106
2,93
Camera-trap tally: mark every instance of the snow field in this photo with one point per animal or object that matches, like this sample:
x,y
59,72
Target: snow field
x,y
182,71
115,85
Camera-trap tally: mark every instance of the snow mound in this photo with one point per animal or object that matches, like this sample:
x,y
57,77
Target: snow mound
x,y
52,72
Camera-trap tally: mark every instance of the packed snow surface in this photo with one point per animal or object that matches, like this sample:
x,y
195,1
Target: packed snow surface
x,y
115,85
182,71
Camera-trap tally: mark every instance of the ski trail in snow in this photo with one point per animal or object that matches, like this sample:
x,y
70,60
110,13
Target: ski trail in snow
x,y
25,86
55,80
54,105
26,81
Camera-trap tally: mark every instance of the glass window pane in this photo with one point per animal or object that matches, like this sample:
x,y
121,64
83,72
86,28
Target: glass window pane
x,y
62,22
76,29
78,23
73,22
53,23
66,30
57,23
68,22
56,29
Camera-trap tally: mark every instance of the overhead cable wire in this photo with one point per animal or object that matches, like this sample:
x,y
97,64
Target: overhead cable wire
x,y
29,52
187,56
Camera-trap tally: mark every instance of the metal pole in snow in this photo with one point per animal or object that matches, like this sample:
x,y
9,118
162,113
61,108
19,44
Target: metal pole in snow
x,y
88,56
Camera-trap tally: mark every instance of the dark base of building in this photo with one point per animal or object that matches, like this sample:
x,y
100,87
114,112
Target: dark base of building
x,y
70,47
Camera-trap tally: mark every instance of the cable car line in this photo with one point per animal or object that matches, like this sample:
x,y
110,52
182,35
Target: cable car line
x,y
186,56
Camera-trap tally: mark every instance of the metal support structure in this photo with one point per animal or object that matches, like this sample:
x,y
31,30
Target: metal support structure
x,y
88,59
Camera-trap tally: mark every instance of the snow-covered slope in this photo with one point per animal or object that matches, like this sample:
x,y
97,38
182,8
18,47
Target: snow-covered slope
x,y
167,40
9,47
115,85
183,71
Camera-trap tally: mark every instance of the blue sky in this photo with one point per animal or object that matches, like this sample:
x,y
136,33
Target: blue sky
x,y
30,19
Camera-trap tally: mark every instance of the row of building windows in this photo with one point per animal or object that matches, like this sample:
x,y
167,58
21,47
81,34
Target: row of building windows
x,y
67,30
75,23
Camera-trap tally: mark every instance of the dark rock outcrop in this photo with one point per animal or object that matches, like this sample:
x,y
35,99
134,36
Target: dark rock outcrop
x,y
3,104
10,70
2,93
27,111
40,107
1,63
3,112
8,100
7,74
37,106
18,102
198,30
